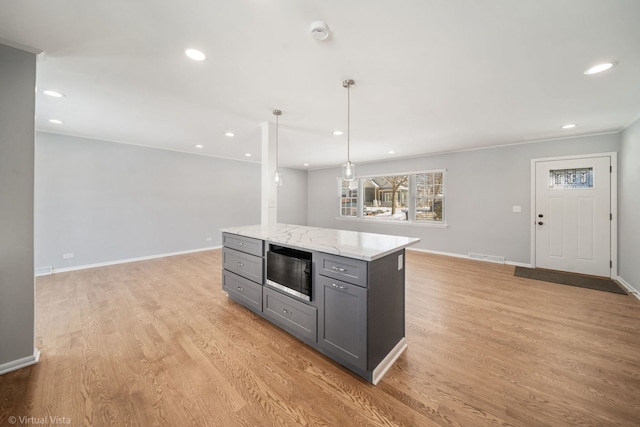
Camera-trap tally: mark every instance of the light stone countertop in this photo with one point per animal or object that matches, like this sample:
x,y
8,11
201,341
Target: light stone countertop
x,y
350,244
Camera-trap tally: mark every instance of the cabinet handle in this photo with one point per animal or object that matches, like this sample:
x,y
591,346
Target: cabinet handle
x,y
338,286
241,243
284,310
341,270
240,264
240,289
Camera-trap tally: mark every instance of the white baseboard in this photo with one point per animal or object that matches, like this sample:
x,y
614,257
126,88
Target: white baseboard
x,y
124,261
20,363
388,361
519,264
630,289
44,271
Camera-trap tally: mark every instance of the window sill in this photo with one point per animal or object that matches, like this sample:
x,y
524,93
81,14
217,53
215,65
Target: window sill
x,y
382,221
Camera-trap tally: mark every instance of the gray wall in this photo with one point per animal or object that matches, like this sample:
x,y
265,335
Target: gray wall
x,y
629,206
17,111
104,201
481,188
292,197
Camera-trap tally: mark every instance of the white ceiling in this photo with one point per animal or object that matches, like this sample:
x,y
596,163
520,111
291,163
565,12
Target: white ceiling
x,y
431,75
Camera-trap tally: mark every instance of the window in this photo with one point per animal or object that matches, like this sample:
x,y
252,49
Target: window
x,y
410,197
386,197
348,198
429,196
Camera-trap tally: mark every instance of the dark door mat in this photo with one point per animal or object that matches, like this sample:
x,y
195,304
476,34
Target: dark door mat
x,y
590,282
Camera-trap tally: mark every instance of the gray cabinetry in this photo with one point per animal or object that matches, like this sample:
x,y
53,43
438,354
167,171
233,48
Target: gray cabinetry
x,y
341,268
245,265
243,270
342,326
242,290
297,318
356,312
244,244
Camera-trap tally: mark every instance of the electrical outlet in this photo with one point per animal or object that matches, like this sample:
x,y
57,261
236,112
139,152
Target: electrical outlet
x,y
517,209
208,239
67,256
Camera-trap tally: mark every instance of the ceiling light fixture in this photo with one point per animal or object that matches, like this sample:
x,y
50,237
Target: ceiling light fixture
x,y
392,152
348,169
338,132
569,126
56,121
247,154
195,54
599,68
319,30
229,134
277,179
305,164
199,146
53,93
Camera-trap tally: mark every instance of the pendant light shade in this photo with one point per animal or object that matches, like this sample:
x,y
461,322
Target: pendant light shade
x,y
277,178
348,169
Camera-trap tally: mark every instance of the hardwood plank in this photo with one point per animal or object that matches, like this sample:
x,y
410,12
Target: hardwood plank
x,y
157,343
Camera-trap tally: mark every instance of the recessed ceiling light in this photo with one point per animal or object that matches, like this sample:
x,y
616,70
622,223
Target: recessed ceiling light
x,y
247,154
338,132
199,146
568,126
306,164
195,54
56,121
229,134
599,68
392,152
53,93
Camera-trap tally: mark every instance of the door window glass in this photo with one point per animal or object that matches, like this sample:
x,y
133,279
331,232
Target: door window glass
x,y
571,178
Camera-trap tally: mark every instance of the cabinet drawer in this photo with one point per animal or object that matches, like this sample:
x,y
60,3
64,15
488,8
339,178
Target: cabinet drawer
x,y
299,319
243,264
242,290
244,244
341,268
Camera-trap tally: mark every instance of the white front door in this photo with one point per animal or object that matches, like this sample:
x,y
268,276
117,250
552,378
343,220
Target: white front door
x,y
573,215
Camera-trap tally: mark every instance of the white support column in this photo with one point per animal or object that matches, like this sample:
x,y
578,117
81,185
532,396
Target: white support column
x,y
269,199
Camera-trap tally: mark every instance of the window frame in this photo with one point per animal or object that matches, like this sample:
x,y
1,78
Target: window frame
x,y
412,200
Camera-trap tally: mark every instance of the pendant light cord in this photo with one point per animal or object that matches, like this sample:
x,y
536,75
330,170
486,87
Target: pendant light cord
x,y
277,113
348,121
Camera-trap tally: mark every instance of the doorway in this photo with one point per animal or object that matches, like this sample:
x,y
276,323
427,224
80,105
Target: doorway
x,y
573,210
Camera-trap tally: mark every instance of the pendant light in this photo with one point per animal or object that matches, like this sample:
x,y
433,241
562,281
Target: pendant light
x,y
348,169
277,178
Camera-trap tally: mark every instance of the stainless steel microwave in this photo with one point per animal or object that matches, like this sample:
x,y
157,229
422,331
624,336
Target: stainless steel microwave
x,y
289,270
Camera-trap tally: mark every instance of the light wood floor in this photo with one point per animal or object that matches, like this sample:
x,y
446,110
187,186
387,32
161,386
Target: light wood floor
x,y
157,343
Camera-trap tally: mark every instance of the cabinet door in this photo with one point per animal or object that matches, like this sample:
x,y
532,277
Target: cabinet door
x,y
342,328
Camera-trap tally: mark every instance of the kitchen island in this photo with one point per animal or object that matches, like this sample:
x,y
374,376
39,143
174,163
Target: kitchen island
x,y
354,310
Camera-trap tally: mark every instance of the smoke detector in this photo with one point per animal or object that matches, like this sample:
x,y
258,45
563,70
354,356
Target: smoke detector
x,y
319,30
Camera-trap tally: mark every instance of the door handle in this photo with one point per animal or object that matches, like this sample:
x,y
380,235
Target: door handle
x,y
540,215
540,222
